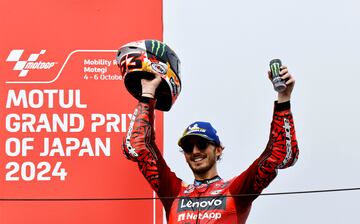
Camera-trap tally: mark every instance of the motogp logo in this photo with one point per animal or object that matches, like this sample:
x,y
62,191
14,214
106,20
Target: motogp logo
x,y
32,63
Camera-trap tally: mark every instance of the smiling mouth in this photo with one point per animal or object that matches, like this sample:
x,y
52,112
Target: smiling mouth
x,y
198,159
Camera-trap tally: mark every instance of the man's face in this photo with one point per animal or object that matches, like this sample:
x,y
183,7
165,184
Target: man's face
x,y
201,155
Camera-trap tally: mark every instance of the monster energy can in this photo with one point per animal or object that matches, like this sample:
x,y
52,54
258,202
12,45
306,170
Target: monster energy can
x,y
278,82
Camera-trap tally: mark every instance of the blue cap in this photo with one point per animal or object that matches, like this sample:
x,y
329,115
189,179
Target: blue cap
x,y
201,129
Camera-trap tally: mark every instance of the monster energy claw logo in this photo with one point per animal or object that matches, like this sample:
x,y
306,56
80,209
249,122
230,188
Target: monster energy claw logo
x,y
158,48
275,69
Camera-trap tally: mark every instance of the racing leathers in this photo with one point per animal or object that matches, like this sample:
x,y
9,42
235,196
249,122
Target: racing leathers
x,y
214,200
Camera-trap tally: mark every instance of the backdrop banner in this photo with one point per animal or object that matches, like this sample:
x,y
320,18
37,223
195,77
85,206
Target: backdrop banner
x,y
65,110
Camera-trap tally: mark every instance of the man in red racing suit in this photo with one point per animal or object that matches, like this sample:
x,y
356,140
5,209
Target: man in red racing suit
x,y
209,199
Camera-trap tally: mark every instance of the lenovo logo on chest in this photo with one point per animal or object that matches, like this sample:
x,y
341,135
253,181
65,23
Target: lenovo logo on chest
x,y
195,204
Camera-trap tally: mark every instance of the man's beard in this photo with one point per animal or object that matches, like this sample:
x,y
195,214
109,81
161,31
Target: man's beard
x,y
211,160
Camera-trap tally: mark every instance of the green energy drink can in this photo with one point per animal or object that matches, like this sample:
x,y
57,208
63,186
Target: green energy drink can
x,y
278,82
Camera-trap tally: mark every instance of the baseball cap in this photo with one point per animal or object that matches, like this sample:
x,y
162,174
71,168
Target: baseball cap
x,y
201,129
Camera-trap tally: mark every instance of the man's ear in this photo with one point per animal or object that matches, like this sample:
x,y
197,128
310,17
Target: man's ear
x,y
218,151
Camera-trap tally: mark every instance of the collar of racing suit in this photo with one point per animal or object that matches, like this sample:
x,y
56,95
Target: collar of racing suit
x,y
206,181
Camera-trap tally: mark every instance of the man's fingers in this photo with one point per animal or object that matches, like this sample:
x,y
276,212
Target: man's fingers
x,y
284,71
290,81
286,76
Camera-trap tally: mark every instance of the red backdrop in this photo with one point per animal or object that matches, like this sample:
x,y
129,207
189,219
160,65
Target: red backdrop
x,y
57,65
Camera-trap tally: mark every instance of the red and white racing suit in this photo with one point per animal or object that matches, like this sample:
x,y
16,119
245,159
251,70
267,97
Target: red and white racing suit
x,y
215,200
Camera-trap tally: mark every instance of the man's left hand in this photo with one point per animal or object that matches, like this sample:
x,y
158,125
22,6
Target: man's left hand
x,y
289,81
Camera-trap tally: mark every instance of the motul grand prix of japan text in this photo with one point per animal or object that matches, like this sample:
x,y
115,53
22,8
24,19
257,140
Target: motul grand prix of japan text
x,y
51,125
45,124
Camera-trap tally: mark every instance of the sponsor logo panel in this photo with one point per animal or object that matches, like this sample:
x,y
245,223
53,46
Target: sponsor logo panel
x,y
208,203
200,216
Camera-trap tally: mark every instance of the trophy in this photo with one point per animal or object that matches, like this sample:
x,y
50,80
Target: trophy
x,y
142,60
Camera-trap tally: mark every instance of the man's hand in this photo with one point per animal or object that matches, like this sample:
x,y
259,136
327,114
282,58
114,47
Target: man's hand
x,y
149,86
289,81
